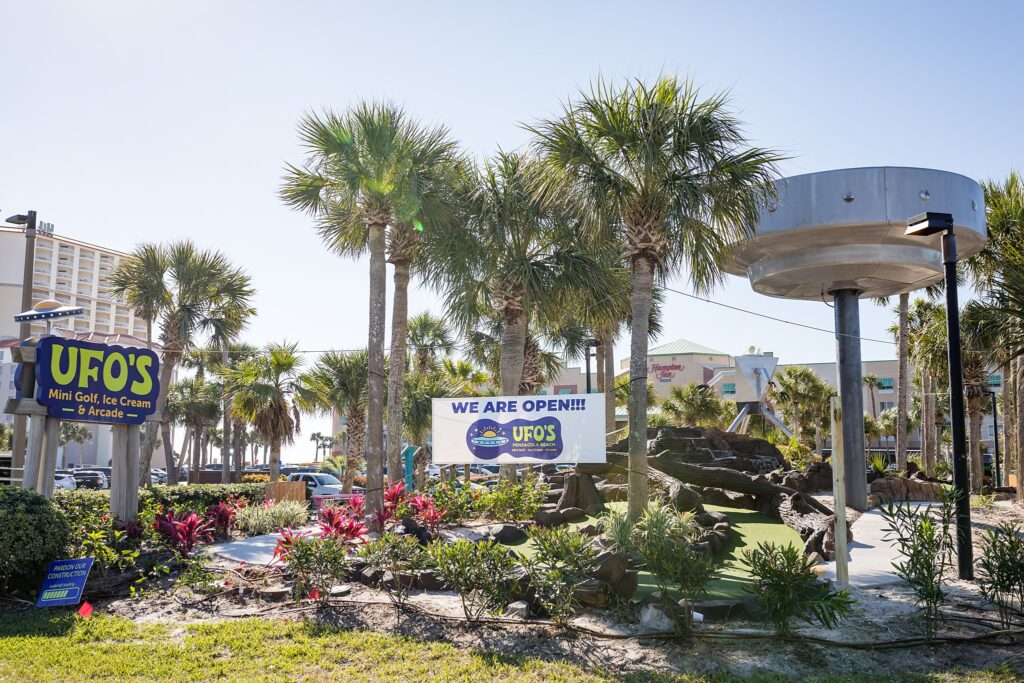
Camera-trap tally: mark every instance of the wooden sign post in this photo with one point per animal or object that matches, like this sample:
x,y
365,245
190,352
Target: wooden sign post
x,y
839,494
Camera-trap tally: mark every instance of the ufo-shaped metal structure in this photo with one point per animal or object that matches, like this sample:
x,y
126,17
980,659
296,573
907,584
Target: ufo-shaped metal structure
x,y
48,311
840,236
844,229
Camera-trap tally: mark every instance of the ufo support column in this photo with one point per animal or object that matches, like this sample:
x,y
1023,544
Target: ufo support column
x,y
851,394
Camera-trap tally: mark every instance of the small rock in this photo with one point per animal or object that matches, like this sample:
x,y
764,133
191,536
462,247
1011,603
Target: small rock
x,y
611,567
815,558
549,518
721,526
275,593
573,514
592,593
340,591
625,588
554,495
428,580
703,548
370,577
714,541
518,610
653,618
461,533
508,534
591,530
594,509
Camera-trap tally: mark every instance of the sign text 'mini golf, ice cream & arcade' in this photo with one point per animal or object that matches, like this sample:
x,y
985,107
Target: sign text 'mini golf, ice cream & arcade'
x,y
519,429
85,382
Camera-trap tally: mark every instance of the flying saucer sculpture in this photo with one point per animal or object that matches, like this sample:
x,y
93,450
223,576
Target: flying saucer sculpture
x,y
839,235
48,311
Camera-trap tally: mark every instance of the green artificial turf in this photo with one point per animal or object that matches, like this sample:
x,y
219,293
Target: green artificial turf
x,y
733,574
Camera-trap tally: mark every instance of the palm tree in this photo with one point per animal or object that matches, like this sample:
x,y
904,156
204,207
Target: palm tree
x,y
420,390
694,405
192,292
339,382
872,382
70,432
266,392
670,179
194,403
796,392
317,439
230,355
514,261
367,169
902,380
430,338
464,375
930,364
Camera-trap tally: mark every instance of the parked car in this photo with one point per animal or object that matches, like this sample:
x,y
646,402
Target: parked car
x,y
318,483
91,479
64,481
159,475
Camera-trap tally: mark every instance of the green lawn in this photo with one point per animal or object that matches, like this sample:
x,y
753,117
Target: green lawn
x,y
733,575
38,645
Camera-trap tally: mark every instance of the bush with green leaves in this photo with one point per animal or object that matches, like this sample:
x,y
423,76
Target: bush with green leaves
x,y
458,502
483,574
110,549
258,520
85,512
199,497
798,454
786,589
33,533
663,540
564,559
925,542
317,564
399,557
511,501
1002,571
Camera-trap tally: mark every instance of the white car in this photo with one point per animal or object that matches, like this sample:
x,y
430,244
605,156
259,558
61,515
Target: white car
x,y
318,483
64,481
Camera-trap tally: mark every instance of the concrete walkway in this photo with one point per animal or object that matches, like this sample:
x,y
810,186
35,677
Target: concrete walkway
x,y
870,555
252,550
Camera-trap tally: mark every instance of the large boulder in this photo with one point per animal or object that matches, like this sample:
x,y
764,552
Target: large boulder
x,y
548,516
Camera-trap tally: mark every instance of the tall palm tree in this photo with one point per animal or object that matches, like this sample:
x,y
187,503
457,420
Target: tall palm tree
x,y
229,355
872,382
430,338
513,260
902,380
192,292
317,439
694,405
194,403
930,364
420,390
339,382
367,169
266,392
795,392
669,178
464,375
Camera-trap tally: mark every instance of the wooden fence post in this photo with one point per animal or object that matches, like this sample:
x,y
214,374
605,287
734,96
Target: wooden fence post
x,y
839,494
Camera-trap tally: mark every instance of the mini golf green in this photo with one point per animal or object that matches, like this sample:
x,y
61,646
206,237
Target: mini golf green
x,y
732,575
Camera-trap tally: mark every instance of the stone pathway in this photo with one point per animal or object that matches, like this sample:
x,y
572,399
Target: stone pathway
x,y
871,556
251,550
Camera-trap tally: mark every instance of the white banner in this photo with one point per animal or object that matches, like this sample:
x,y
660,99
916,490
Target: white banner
x,y
525,430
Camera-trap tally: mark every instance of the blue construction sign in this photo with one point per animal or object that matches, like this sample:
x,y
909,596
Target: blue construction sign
x,y
64,582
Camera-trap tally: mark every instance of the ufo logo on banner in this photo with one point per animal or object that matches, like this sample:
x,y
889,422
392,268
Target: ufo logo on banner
x,y
540,438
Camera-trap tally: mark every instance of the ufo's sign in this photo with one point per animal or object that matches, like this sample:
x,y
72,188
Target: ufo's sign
x,y
86,382
519,429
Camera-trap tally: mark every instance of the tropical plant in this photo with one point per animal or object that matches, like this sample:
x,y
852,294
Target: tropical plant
x,y
195,403
669,178
72,432
1002,571
483,574
267,393
512,501
341,523
430,338
262,519
183,532
398,557
317,565
420,390
803,399
693,405
190,292
564,559
33,534
338,382
367,169
786,588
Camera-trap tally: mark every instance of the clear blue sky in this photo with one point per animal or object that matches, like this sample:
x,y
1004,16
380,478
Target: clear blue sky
x,y
124,122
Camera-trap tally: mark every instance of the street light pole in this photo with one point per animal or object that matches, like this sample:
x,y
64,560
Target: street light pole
x,y
589,343
923,225
20,439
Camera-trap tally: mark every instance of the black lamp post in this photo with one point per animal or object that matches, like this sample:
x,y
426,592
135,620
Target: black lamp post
x,y
925,225
20,440
589,344
997,475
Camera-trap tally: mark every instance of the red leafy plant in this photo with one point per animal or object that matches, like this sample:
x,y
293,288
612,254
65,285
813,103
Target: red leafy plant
x,y
336,522
222,515
427,512
356,506
394,496
289,537
132,528
183,533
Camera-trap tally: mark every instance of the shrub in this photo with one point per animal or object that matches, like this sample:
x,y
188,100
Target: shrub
x,y
878,464
255,478
786,588
426,511
399,556
317,564
222,516
33,533
183,532
563,561
85,511
257,520
483,574
797,454
1002,571
926,544
199,497
510,501
110,550
663,540
337,523
457,502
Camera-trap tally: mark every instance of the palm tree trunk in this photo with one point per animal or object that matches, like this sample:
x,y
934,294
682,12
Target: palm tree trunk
x,y
375,368
266,449
396,369
275,458
225,445
607,343
903,384
185,443
927,420
238,449
197,452
513,359
151,432
640,303
1018,427
974,437
146,457
356,442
